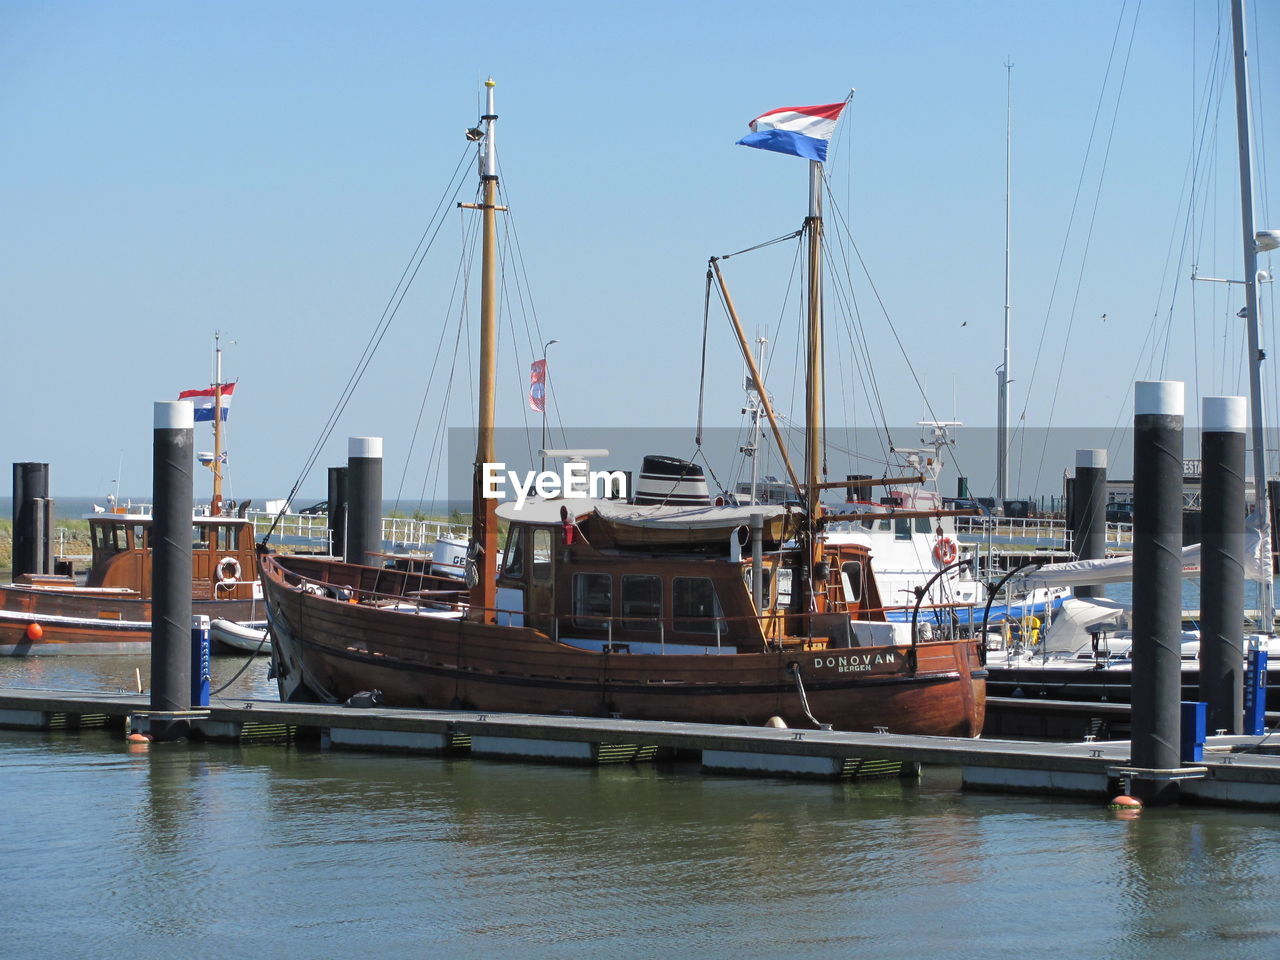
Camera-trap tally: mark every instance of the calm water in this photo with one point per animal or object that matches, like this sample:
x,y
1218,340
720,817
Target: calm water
x,y
205,851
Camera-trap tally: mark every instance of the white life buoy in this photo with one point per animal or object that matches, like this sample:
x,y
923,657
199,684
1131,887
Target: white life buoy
x,y
228,570
945,551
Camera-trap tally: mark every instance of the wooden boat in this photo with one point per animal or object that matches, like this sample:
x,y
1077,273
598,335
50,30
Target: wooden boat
x,y
111,611
635,610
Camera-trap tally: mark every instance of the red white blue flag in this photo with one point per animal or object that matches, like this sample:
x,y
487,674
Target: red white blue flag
x,y
538,385
798,131
203,401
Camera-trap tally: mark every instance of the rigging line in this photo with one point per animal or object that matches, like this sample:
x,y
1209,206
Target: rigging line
x,y
702,377
1084,166
380,329
430,380
893,329
1215,75
438,440
870,383
524,293
1084,253
761,246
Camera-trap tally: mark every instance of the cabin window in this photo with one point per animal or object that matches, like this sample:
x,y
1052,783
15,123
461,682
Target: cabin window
x,y
868,523
542,554
901,529
641,599
199,537
784,588
513,562
695,598
924,525
592,599
851,577
139,536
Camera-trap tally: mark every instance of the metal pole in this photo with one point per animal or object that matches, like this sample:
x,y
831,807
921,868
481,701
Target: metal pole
x,y
364,500
337,512
1157,584
1266,599
1223,421
172,486
30,483
1002,374
1089,512
546,395
756,523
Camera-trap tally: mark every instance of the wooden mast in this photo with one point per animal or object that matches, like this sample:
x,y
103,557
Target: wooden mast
x,y
484,523
813,378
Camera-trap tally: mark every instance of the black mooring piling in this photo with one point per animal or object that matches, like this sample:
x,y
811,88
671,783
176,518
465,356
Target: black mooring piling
x,y
32,519
1223,421
171,541
364,500
1157,585
338,511
1089,512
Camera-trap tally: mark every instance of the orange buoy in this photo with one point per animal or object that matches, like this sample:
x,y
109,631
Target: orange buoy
x,y
138,738
1125,803
34,631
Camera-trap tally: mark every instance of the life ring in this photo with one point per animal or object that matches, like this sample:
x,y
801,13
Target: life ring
x,y
945,551
228,570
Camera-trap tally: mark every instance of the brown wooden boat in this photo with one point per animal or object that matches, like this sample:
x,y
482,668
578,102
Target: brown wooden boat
x,y
111,612
601,627
630,609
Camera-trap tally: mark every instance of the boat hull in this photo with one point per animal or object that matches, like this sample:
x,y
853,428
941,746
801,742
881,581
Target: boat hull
x,y
327,650
84,622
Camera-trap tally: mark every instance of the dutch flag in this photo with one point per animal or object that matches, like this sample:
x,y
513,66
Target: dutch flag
x,y
798,131
203,401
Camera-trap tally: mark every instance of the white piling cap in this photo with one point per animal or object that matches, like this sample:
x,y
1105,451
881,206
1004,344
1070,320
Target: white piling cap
x,y
1223,414
175,415
369,448
1091,458
1163,397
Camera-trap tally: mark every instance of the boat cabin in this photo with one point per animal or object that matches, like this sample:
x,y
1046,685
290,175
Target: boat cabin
x,y
223,564
634,579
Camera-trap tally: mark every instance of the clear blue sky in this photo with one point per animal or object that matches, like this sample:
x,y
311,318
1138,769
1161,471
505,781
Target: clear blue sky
x,y
266,169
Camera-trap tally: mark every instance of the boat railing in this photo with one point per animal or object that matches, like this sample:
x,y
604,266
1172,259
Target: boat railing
x,y
312,530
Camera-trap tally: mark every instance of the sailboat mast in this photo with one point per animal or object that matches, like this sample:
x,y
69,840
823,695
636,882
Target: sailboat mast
x,y
1002,374
1266,599
215,503
484,532
813,388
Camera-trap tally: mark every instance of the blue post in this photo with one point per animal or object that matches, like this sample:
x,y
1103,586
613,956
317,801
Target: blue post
x,y
1194,713
1255,694
200,668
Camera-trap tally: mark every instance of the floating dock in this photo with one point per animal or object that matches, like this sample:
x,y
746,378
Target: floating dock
x,y
1235,770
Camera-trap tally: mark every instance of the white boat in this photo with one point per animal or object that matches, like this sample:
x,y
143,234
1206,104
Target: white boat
x,y
249,636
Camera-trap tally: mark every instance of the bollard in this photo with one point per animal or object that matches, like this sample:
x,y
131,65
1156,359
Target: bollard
x,y
30,487
1223,421
1157,584
338,511
364,500
1089,512
171,489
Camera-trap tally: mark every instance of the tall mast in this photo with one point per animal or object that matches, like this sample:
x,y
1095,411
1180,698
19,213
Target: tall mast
x,y
813,380
1266,600
1002,372
484,529
215,503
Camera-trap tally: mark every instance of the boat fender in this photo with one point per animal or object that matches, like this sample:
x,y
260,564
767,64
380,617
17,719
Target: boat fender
x,y
34,631
945,551
228,570
566,525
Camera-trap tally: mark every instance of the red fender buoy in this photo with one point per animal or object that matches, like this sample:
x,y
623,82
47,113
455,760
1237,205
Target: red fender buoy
x,y
34,631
